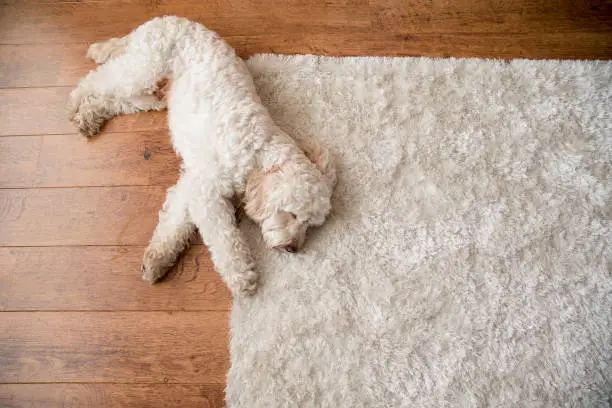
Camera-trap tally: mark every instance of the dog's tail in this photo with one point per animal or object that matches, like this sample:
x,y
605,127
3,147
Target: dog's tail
x,y
103,51
149,36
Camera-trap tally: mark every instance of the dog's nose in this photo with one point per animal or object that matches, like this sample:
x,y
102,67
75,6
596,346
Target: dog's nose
x,y
287,248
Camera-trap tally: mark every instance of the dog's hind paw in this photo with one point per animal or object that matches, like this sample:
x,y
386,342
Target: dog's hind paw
x,y
83,115
246,283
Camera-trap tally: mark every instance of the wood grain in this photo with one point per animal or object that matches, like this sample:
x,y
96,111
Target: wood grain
x,y
578,45
113,159
37,111
123,347
42,65
79,216
85,22
111,395
105,278
19,160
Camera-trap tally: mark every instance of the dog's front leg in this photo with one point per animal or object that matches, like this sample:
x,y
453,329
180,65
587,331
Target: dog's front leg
x,y
172,234
215,218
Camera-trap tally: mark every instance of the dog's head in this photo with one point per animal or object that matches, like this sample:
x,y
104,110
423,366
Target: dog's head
x,y
285,200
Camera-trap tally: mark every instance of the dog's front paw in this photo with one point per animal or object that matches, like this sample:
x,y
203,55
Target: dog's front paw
x,y
83,114
153,266
151,274
245,284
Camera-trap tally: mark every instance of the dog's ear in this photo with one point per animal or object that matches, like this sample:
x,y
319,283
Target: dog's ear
x,y
321,157
254,195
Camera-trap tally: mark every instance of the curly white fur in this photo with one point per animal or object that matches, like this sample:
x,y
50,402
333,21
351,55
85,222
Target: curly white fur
x,y
229,144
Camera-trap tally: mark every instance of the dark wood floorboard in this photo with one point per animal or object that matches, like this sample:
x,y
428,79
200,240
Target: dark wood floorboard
x,y
117,347
79,216
113,159
105,278
62,395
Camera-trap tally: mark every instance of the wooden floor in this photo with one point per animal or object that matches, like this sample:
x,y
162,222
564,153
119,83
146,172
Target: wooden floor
x,y
77,325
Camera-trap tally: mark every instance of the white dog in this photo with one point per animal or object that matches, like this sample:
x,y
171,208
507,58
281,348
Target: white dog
x,y
229,144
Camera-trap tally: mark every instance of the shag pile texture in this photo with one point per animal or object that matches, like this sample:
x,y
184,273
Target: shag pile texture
x,y
467,258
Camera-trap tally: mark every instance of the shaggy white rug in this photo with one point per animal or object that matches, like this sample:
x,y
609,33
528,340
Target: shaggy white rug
x,y
467,260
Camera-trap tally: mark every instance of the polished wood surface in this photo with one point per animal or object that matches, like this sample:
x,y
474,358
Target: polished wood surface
x,y
79,216
91,278
77,325
114,159
123,347
111,395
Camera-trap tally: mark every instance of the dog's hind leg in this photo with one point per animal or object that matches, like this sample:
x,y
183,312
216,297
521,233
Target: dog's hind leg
x,y
215,218
124,84
91,111
172,234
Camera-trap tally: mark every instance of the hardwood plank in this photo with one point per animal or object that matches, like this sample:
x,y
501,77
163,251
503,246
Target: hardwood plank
x,y
42,65
105,278
36,111
19,160
79,216
119,347
32,111
114,159
64,64
542,45
111,395
70,22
